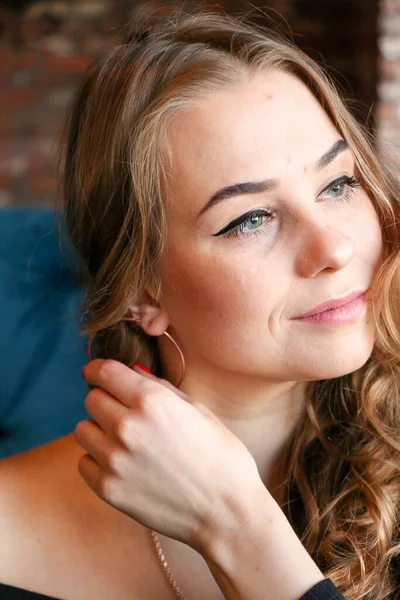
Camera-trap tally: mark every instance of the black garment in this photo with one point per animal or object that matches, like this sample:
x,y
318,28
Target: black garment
x,y
324,590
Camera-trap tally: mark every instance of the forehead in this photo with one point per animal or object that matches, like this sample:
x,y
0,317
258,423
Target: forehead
x,y
263,127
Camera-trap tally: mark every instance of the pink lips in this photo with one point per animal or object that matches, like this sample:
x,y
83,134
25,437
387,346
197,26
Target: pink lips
x,y
336,311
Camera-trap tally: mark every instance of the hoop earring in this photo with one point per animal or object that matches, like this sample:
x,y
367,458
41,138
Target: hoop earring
x,y
181,357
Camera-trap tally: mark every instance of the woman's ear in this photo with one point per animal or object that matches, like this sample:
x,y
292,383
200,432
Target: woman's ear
x,y
150,315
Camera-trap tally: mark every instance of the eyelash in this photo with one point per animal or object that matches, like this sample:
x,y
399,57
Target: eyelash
x,y
236,227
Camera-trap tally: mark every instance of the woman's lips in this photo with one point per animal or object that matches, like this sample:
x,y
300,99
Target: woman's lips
x,y
344,313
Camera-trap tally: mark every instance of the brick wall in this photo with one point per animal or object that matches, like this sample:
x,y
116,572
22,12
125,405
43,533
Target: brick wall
x,y
46,45
388,111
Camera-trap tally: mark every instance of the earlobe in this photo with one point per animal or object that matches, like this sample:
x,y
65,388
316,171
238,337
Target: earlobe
x,y
151,316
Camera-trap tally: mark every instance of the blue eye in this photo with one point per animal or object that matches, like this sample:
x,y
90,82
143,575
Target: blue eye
x,y
248,224
336,188
253,222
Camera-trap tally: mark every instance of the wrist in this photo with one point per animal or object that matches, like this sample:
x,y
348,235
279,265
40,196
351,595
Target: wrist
x,y
239,517
254,553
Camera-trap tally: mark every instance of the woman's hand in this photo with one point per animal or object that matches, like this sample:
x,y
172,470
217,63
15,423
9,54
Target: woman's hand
x,y
166,462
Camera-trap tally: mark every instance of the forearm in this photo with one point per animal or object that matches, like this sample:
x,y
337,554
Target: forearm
x,y
261,558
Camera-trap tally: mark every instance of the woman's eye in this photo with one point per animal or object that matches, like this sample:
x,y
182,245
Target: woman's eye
x,y
336,189
251,223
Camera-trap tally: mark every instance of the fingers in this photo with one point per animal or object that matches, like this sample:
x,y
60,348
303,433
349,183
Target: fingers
x,y
95,477
123,382
107,411
96,443
115,378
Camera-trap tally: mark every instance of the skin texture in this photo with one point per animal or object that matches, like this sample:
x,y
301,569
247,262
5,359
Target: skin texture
x,y
230,300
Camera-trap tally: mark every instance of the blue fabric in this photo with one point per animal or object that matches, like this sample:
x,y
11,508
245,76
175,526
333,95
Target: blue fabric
x,y
41,354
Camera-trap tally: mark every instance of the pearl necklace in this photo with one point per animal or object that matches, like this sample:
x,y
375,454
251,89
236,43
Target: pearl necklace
x,y
164,566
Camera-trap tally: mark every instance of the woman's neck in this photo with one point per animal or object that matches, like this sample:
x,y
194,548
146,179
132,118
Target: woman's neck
x,y
263,418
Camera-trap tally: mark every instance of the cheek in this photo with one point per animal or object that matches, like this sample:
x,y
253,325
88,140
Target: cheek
x,y
365,229
201,286
219,291
371,235
219,307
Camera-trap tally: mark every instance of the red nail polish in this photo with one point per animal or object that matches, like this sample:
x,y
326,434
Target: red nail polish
x,y
143,368
83,371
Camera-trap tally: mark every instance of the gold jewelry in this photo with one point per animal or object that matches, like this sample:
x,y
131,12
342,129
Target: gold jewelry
x,y
164,565
182,358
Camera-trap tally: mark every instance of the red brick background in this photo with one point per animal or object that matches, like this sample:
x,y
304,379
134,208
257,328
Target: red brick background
x,y
388,108
46,45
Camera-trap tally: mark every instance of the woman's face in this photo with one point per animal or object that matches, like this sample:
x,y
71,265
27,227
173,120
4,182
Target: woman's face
x,y
233,284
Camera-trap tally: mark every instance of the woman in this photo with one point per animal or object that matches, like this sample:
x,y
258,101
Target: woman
x,y
219,192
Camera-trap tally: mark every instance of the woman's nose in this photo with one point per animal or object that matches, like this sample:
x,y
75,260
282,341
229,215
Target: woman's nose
x,y
323,248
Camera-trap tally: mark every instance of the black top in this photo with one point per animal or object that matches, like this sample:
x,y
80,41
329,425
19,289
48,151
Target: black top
x,y
324,590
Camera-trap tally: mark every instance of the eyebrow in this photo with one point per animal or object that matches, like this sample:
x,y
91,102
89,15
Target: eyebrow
x,y
269,185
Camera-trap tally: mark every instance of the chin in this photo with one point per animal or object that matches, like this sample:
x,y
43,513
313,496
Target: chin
x,y
337,365
340,357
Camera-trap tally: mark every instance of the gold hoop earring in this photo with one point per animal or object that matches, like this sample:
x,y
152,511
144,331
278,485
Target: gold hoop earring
x,y
182,358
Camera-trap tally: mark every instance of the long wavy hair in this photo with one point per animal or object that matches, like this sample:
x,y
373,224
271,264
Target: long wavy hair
x,y
343,481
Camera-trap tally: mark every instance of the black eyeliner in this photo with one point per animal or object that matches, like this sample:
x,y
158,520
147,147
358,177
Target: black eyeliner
x,y
350,180
243,218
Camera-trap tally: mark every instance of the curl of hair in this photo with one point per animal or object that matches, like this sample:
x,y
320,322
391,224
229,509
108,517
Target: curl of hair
x,y
343,486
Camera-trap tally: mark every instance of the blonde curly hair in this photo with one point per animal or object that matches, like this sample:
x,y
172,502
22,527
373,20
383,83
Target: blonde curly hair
x,y
343,482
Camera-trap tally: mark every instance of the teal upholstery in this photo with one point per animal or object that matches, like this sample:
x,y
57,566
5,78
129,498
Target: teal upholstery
x,y
41,354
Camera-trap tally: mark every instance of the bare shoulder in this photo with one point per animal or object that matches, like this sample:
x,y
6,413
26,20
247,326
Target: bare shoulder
x,y
35,478
32,492
54,531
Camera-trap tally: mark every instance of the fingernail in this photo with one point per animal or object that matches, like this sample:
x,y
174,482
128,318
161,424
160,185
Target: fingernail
x,y
143,368
83,371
